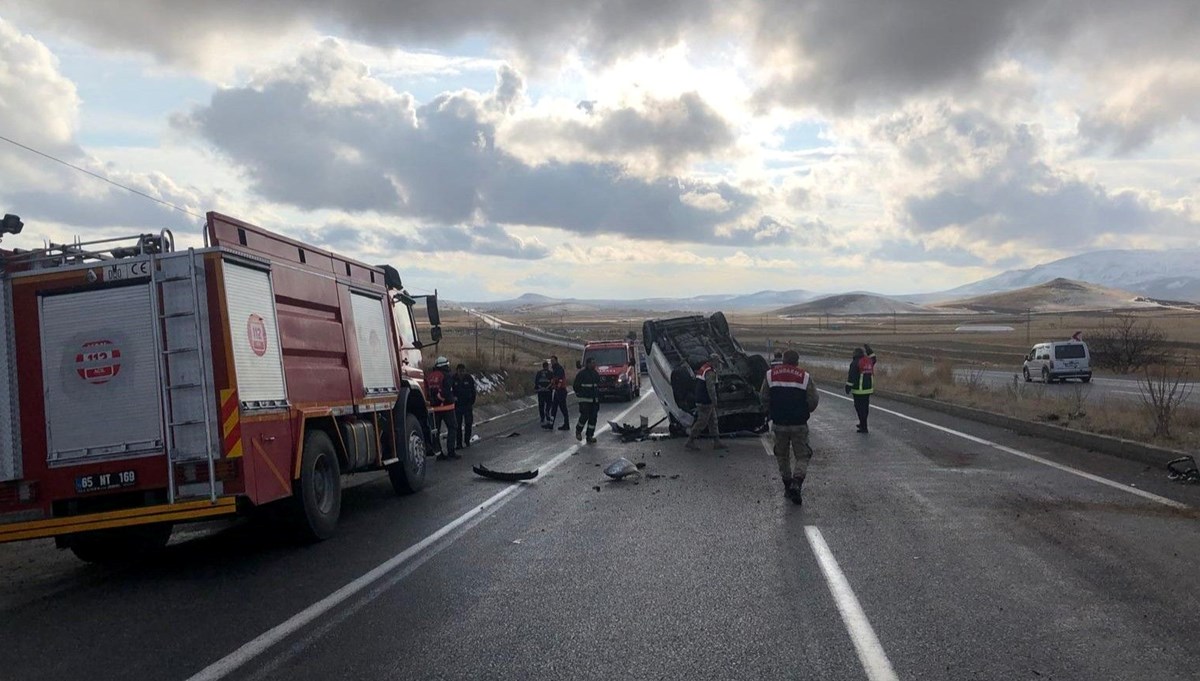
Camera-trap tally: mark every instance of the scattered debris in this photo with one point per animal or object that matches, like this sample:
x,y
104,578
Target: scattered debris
x,y
622,468
1183,469
653,476
675,477
486,472
516,541
513,434
637,433
596,487
475,438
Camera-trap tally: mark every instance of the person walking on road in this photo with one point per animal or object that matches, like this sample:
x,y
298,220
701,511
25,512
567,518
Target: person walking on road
x,y
790,396
541,385
441,403
860,383
463,387
587,390
706,404
558,384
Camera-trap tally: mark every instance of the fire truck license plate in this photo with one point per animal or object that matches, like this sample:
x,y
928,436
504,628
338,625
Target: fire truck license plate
x,y
102,481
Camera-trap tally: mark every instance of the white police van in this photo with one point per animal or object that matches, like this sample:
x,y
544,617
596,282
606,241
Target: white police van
x,y
1058,361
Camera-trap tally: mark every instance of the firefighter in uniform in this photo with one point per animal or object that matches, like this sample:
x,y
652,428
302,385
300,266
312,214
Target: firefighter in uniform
x,y
860,383
790,396
541,384
463,387
441,403
558,384
587,390
706,404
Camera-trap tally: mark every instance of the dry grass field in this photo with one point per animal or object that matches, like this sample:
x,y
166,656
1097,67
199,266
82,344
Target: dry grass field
x,y
513,360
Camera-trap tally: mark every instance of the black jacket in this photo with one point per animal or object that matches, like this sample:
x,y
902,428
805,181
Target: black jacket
x,y
587,385
542,380
463,387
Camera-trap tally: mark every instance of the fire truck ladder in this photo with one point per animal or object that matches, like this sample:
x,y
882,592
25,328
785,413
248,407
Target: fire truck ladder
x,y
183,371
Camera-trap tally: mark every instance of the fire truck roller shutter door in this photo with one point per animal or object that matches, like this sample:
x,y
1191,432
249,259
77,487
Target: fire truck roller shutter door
x,y
374,351
10,436
254,330
100,375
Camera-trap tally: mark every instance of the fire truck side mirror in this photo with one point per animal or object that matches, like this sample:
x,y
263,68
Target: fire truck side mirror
x,y
431,307
435,334
11,224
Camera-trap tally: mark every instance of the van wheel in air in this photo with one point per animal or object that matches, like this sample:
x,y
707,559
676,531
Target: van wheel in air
x,y
408,474
1028,378
1046,377
316,502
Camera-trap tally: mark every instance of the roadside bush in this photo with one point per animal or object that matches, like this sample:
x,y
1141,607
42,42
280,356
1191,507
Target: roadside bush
x,y
1127,344
1163,392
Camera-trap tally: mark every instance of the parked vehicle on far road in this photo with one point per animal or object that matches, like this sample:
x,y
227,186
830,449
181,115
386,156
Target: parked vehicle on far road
x,y
1058,361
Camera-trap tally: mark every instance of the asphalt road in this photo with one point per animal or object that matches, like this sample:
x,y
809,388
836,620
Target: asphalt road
x,y
950,558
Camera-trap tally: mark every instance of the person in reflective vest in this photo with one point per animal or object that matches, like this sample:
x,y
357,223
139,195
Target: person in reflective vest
x,y
587,390
860,383
706,404
558,401
790,397
441,403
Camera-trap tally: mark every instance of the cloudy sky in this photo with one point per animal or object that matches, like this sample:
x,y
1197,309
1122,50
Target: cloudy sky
x,y
618,148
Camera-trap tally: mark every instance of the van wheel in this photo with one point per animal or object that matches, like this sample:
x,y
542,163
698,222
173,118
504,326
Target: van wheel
x,y
408,474
316,500
1028,378
1046,376
120,545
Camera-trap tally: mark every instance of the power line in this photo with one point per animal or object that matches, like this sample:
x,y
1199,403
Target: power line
x,y
101,177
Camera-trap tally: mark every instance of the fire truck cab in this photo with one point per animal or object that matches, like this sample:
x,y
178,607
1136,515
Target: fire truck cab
x,y
617,364
142,386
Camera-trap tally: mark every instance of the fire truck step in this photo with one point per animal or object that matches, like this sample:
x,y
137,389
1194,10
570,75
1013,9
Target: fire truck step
x,y
176,351
188,422
178,278
181,386
172,315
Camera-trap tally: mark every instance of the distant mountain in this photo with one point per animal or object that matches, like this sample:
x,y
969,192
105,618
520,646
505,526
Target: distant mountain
x,y
852,304
1166,275
751,302
1056,295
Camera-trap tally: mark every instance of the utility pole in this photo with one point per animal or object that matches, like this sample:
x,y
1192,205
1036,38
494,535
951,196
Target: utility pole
x,y
1028,321
893,322
476,338
493,344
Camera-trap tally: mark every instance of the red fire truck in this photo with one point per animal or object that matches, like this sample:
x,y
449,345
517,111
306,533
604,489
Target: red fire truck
x,y
617,364
142,386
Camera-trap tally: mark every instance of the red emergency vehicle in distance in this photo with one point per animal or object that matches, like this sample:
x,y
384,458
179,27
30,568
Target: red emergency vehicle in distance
x,y
617,363
141,386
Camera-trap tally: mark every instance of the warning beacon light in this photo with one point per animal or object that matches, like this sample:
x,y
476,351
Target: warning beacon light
x,y
11,224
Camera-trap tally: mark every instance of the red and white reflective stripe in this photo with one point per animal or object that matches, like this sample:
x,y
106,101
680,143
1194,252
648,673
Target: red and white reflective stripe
x,y
788,377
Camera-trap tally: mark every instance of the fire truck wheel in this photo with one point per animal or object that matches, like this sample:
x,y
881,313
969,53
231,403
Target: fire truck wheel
x,y
317,501
119,545
408,474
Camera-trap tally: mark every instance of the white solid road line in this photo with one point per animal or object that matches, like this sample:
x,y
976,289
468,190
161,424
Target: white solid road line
x,y
256,647
1031,457
866,644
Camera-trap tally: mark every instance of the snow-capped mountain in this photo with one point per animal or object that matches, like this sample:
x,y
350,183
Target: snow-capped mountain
x,y
1165,275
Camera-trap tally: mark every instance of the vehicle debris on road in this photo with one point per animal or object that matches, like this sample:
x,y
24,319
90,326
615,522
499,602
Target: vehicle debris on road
x,y
1183,469
517,476
622,468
